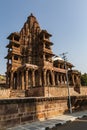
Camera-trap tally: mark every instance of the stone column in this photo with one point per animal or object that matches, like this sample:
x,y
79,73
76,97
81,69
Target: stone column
x,y
73,82
26,80
40,78
11,80
33,78
57,79
53,78
44,57
77,79
44,78
64,79
23,87
60,78
18,82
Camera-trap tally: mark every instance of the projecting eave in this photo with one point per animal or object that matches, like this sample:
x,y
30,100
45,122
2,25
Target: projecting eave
x,y
49,53
75,72
45,32
13,34
58,58
70,64
8,57
9,45
48,42
28,66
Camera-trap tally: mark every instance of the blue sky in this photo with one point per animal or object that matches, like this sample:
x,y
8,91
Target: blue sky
x,y
66,20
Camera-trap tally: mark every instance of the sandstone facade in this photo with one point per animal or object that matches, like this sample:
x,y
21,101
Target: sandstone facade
x,y
31,63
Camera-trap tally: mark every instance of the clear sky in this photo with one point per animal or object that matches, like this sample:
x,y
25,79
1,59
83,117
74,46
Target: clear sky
x,y
66,20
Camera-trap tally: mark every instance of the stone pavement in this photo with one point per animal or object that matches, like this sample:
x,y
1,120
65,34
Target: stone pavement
x,y
50,123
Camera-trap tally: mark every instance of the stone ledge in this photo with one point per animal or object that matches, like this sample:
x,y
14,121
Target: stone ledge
x,y
36,99
30,100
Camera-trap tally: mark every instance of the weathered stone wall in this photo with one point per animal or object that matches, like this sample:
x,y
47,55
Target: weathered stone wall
x,y
18,111
55,91
35,92
63,91
41,91
4,93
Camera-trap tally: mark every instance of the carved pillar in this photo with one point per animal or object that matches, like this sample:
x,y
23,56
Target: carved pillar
x,y
57,78
44,58
73,82
23,87
64,79
18,82
33,77
26,79
60,78
77,79
44,78
53,78
40,78
11,80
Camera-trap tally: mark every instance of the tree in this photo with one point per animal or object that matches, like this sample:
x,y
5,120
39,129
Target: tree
x,y
84,79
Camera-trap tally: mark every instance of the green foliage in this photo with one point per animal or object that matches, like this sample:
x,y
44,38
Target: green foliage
x,y
2,78
84,79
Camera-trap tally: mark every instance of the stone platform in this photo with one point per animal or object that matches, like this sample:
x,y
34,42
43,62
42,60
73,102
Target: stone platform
x,y
51,123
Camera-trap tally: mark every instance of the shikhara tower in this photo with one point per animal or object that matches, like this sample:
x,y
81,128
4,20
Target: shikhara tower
x,y
30,63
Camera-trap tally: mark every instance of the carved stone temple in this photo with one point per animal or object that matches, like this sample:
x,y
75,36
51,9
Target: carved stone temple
x,y
31,64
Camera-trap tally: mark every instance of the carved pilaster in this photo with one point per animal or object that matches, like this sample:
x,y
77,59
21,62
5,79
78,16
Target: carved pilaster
x,y
64,79
26,79
61,78
11,81
33,77
23,80
44,78
53,78
40,78
73,82
18,80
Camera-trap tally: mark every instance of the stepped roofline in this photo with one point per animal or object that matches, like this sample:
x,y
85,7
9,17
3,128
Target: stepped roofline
x,y
13,34
45,31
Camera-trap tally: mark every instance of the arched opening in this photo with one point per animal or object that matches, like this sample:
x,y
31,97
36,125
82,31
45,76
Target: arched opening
x,y
70,80
56,78
59,78
20,80
63,79
30,84
15,81
36,78
75,78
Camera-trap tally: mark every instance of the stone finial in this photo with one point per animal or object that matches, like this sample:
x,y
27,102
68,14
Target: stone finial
x,y
31,14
